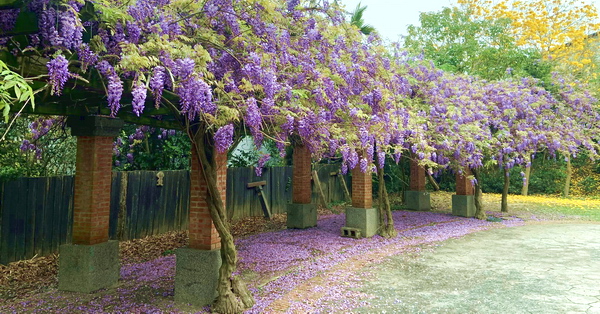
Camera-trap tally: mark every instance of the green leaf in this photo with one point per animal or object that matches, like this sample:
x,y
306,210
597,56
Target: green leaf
x,y
6,112
17,92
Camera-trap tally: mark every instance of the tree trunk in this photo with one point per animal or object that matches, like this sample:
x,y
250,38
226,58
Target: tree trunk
x,y
234,296
432,181
504,204
525,189
479,212
386,221
568,178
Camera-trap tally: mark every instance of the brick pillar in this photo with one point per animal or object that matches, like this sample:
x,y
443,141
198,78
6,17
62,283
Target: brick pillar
x,y
362,189
417,176
91,206
301,175
301,213
361,219
463,203
197,266
92,261
463,184
417,198
202,232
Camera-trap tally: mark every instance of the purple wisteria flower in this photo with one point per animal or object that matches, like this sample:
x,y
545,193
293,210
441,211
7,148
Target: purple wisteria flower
x,y
224,138
58,71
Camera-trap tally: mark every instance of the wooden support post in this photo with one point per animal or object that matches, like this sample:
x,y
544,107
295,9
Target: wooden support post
x,y
344,185
322,199
258,186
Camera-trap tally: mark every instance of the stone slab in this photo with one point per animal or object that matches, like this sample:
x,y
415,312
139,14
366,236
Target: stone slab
x,y
365,219
301,216
196,276
417,200
87,268
463,205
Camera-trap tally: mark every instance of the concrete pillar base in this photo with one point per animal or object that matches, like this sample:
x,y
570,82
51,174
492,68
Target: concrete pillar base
x,y
417,200
365,219
301,216
87,268
196,276
463,205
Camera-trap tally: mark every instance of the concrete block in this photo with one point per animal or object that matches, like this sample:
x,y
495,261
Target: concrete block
x,y
463,205
196,276
351,232
301,216
417,200
364,219
87,268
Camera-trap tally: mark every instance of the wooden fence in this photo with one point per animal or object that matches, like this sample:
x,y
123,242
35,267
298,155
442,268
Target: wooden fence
x,y
36,214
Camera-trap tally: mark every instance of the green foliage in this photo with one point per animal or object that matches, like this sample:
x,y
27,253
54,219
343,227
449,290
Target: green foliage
x,y
13,89
590,185
396,177
56,157
485,48
152,153
245,154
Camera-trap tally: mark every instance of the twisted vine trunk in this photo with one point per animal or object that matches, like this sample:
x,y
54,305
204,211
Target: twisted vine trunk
x,y
504,204
234,296
386,220
434,184
569,174
479,212
525,189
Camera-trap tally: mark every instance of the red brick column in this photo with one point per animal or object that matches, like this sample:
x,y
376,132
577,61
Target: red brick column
x,y
463,184
301,175
417,177
91,207
202,232
362,193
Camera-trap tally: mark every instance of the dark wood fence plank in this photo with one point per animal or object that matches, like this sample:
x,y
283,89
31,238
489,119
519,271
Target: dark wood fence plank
x,y
48,220
185,196
6,247
115,189
56,212
69,192
133,187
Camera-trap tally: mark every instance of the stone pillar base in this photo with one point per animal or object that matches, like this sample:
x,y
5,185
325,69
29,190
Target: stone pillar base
x,y
301,216
417,200
196,276
365,219
87,268
463,205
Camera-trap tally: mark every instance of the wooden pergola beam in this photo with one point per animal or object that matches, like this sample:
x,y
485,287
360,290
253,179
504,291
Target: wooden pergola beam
x,y
55,109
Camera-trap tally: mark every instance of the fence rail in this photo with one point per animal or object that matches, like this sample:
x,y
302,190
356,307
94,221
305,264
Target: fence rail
x,y
36,214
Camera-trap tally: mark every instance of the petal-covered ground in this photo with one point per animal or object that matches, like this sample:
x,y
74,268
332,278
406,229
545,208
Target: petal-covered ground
x,y
276,265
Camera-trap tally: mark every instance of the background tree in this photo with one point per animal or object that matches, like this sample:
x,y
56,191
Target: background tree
x,y
559,30
356,19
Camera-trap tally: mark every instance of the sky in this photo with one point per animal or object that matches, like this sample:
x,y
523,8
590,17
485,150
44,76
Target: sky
x,y
391,17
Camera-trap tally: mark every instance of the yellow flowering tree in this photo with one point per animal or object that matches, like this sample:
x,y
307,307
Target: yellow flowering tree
x,y
561,30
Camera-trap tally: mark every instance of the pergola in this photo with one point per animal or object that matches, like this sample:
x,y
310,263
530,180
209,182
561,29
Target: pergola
x,y
91,261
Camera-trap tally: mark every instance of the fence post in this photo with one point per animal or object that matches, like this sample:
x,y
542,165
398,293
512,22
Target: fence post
x,y
122,218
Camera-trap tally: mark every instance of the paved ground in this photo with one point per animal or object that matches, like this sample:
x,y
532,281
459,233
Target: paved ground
x,y
550,268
